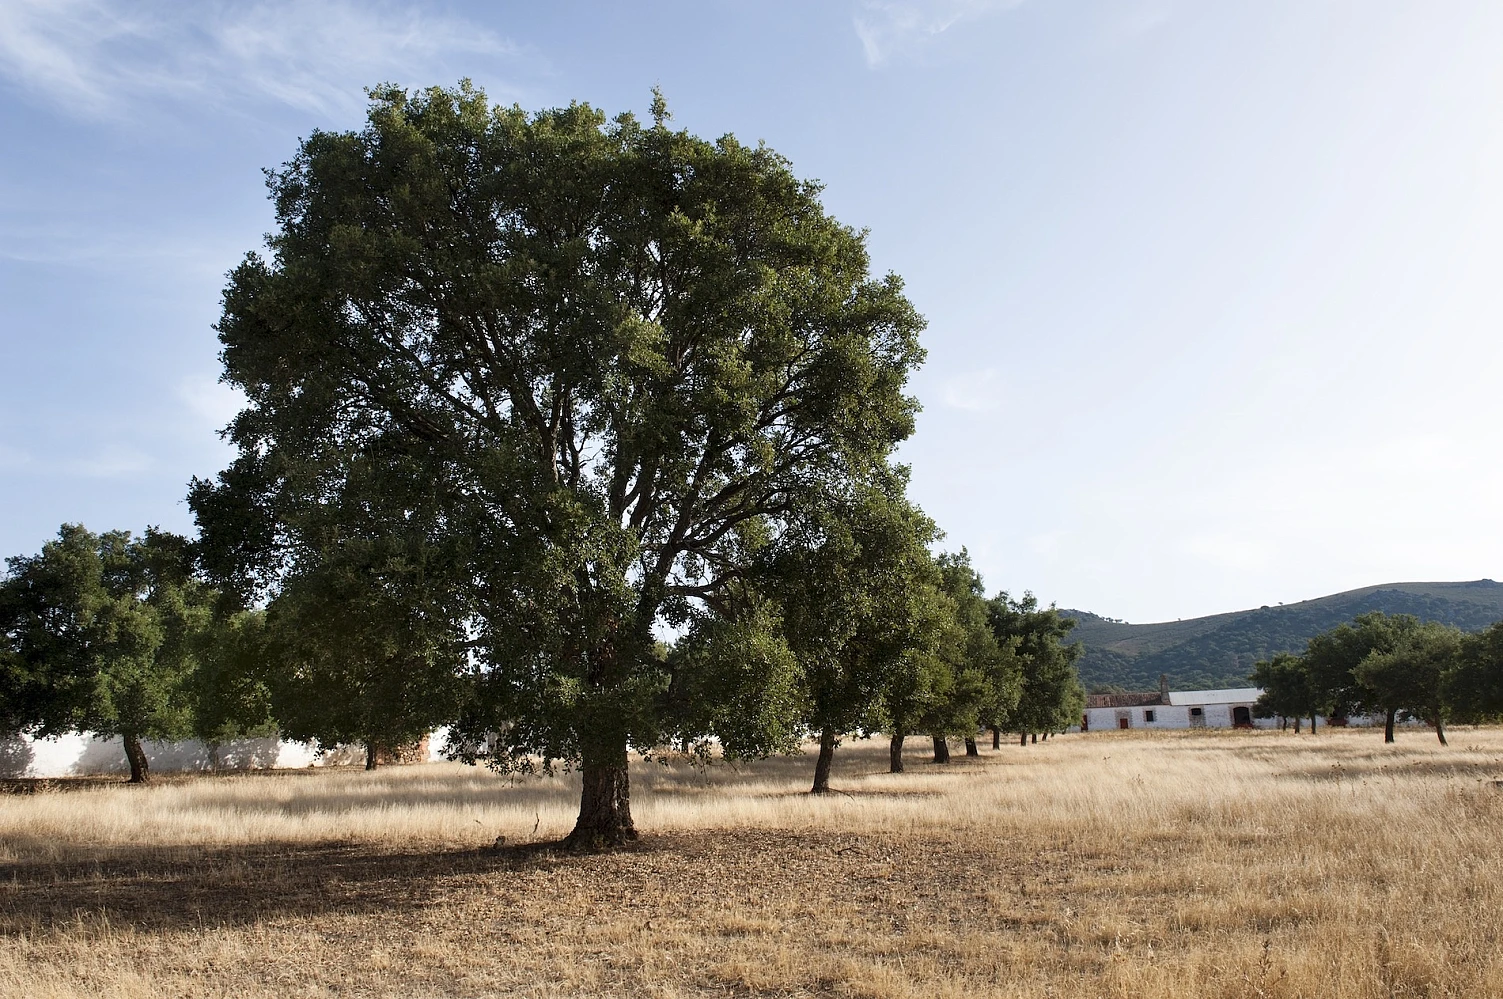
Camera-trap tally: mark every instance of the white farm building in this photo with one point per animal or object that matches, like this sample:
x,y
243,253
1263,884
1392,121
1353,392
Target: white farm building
x,y
1165,708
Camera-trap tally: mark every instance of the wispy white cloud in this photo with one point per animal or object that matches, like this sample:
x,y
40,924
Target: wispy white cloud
x,y
97,58
975,392
889,28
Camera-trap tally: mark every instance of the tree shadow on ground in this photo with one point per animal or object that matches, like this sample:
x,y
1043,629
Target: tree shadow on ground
x,y
160,890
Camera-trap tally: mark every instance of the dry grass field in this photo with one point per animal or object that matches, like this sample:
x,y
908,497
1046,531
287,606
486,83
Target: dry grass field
x,y
1246,864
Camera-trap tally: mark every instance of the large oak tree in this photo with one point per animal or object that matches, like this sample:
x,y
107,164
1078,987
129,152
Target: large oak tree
x,y
616,353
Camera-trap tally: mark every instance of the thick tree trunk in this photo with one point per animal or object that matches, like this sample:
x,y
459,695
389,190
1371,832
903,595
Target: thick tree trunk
x,y
996,737
1035,738
941,750
822,765
136,756
370,754
1388,725
1440,731
895,754
970,746
1296,725
1312,724
1022,738
604,801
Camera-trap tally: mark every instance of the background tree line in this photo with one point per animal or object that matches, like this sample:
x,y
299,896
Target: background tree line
x,y
120,635
1394,665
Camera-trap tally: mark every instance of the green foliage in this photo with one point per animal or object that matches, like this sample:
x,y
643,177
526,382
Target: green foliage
x,y
228,690
1287,689
917,691
1333,659
1392,665
1051,696
844,579
361,647
100,634
1473,687
597,361
988,672
736,682
1407,671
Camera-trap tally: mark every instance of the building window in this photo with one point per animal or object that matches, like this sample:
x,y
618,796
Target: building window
x,y
1148,716
1196,712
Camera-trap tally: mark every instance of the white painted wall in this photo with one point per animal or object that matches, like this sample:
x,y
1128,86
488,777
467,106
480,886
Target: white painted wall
x,y
73,755
1168,716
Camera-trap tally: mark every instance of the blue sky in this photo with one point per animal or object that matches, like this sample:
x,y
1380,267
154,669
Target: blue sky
x,y
1213,290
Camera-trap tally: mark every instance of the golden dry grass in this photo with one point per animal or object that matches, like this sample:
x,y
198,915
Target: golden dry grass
x,y
1112,864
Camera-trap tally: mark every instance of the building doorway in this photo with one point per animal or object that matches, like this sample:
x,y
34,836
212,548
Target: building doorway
x,y
1242,716
1123,723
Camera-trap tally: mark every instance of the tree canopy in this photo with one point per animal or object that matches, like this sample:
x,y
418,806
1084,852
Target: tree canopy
x,y
844,582
1050,696
99,635
1288,690
600,359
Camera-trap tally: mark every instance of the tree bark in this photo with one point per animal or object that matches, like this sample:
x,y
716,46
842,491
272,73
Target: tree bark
x,y
1312,725
1022,738
604,801
1440,731
941,750
136,756
1388,725
370,754
970,746
895,754
822,766
996,737
1035,738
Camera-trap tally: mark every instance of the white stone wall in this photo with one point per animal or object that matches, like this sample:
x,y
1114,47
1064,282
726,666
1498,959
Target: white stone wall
x,y
75,755
1167,716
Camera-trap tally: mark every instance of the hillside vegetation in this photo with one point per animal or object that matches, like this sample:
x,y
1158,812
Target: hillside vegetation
x,y
1220,650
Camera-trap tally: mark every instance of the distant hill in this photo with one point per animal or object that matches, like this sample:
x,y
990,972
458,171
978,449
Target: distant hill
x,y
1220,650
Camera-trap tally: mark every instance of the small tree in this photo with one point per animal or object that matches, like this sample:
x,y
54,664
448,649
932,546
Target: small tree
x,y
362,649
991,674
100,633
916,691
1288,691
1050,696
843,580
1473,687
227,690
1332,657
1408,672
